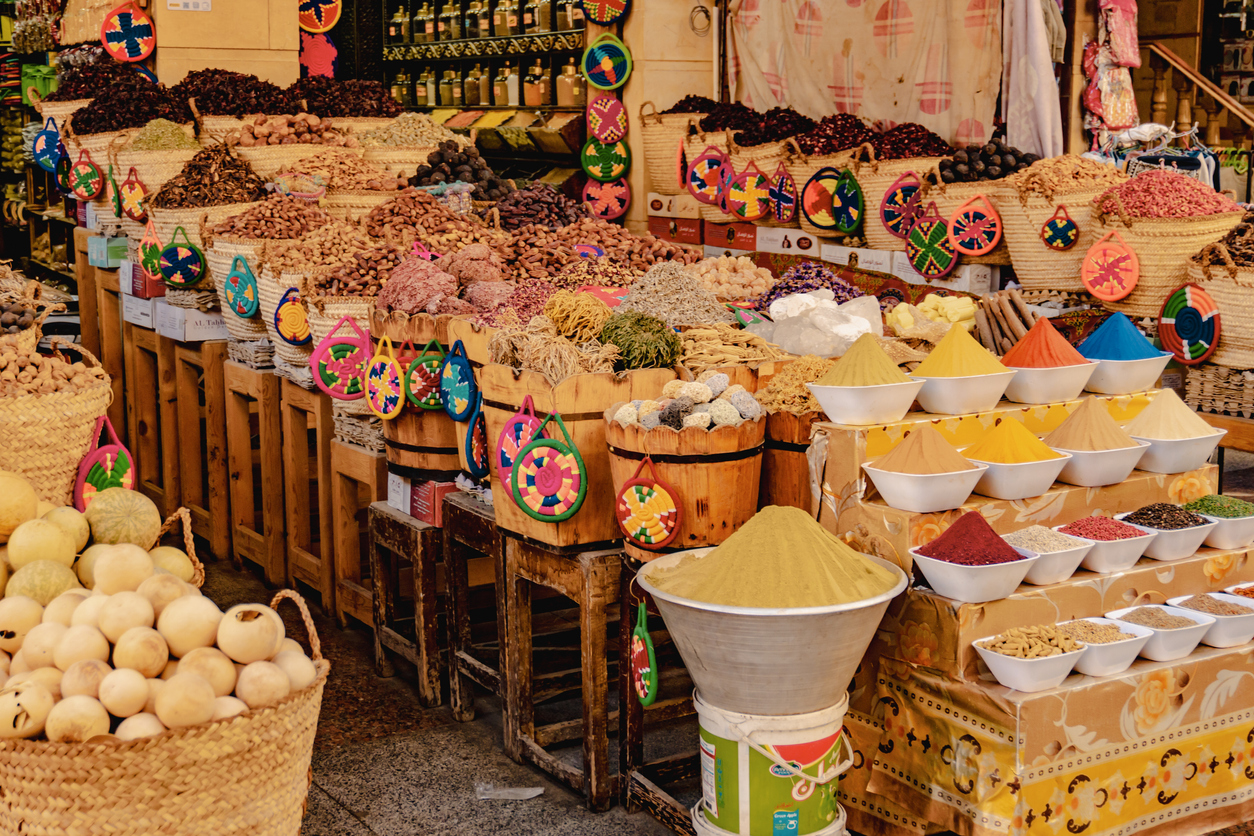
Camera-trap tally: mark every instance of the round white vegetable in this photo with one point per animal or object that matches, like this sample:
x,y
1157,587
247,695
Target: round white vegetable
x,y
250,633
40,540
212,665
171,668
83,678
160,590
18,614
186,700
50,678
188,623
79,643
17,664
122,569
290,644
298,667
154,688
61,608
175,561
123,611
24,710
124,692
86,565
73,523
226,707
140,725
88,612
76,719
141,649
41,644
261,684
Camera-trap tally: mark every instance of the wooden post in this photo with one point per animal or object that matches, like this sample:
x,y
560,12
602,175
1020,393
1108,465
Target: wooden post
x,y
257,536
1158,94
152,415
1184,102
308,520
88,309
1212,109
354,470
203,472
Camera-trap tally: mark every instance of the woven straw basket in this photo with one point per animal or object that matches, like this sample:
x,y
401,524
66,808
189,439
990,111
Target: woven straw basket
x,y
362,124
60,111
1163,247
45,438
249,774
876,177
1232,288
802,167
695,143
767,158
398,160
28,339
949,196
216,129
154,168
270,288
195,221
661,135
351,205
324,313
269,160
221,255
1038,267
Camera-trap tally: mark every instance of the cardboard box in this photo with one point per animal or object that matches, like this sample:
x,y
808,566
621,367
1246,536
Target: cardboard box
x,y
676,230
140,312
188,326
876,261
715,252
400,492
674,205
788,242
967,278
427,503
108,253
134,280
735,236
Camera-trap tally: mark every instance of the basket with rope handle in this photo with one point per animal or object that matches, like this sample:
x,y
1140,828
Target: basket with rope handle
x,y
28,338
876,177
950,196
1232,288
661,134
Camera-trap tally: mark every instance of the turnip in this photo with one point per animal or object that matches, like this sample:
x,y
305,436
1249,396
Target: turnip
x,y
122,569
140,725
213,665
88,612
298,667
160,590
41,643
24,710
83,678
188,623
226,707
61,608
250,633
18,614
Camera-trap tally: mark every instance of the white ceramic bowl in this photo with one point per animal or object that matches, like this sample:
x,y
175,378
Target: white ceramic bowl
x,y
924,493
860,405
1019,481
1230,532
1232,590
1174,543
1096,468
1119,377
1229,630
1178,455
1039,386
1167,645
1056,567
1107,556
962,395
1113,657
973,584
1028,674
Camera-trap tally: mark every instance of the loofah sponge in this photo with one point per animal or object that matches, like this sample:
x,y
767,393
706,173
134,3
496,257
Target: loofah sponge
x,y
724,414
698,419
745,404
706,375
731,390
696,392
653,420
671,389
626,415
673,413
718,383
636,403
701,407
645,407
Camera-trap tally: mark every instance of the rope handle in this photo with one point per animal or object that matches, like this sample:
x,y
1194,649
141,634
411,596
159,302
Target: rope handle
x,y
1221,250
314,644
825,777
1120,211
189,544
866,150
653,114
87,355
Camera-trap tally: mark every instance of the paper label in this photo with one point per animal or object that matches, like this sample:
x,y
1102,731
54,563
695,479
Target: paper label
x,y
189,5
709,789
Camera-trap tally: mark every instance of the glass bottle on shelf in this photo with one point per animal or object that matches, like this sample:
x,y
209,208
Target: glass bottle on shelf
x,y
471,94
398,27
420,90
576,15
500,96
430,25
432,88
446,89
452,20
485,20
415,26
544,16
530,17
395,89
485,86
546,87
511,86
470,23
500,20
531,87
566,85
458,97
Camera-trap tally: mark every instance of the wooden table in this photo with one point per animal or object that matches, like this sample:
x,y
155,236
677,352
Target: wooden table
x,y
1240,437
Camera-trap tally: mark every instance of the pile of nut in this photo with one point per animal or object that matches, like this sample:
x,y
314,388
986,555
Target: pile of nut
x,y
733,278
540,252
279,217
348,172
30,373
1032,642
414,215
321,251
303,129
363,273
16,316
539,204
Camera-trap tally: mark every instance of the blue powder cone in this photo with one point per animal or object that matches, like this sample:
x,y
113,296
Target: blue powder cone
x,y
1118,339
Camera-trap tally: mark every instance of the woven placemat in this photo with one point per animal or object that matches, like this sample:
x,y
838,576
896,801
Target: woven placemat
x,y
362,430
255,355
301,375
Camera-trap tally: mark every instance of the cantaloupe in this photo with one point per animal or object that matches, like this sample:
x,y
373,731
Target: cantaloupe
x,y
118,515
18,503
72,522
40,540
122,569
175,561
42,580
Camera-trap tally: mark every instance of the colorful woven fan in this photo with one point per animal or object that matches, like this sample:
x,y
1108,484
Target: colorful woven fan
x,y
317,16
384,391
648,510
605,162
150,251
46,148
518,432
240,289
127,33
1110,269
928,248
783,196
975,227
607,200
476,448
291,320
422,377
132,194
832,199
339,362
607,119
1188,324
749,196
606,63
703,174
86,181
183,264
1060,232
644,673
549,481
900,207
605,12
457,383
108,465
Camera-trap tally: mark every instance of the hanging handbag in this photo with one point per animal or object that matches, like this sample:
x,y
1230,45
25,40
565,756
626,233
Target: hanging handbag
x,y
108,465
384,391
339,362
519,431
549,480
457,384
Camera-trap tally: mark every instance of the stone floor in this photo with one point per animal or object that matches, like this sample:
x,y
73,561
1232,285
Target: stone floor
x,y
383,765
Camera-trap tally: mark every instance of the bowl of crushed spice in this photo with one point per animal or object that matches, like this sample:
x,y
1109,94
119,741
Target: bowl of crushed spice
x,y
1174,636
1110,646
1060,554
1116,546
1233,519
1030,658
1179,532
1233,614
970,563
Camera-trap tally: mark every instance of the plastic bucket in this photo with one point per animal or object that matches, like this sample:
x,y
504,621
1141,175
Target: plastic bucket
x,y
762,776
704,828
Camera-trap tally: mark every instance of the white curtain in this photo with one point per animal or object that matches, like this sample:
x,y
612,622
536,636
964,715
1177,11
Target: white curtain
x,y
1030,102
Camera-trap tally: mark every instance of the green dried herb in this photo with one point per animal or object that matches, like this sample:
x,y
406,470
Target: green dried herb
x,y
646,342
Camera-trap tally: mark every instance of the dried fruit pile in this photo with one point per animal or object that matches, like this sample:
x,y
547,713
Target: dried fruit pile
x,y
354,97
224,93
214,177
120,107
30,373
450,162
303,129
86,81
984,162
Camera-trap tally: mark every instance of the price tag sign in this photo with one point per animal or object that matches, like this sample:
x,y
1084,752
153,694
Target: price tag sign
x,y
189,5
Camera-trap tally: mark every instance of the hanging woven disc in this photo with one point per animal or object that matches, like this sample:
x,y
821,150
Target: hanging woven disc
x,y
648,510
605,161
1188,324
115,196
703,174
783,196
339,362
900,207
62,171
476,448
1110,269
681,165
549,481
46,147
457,383
606,63
240,289
927,246
607,200
607,119
182,264
749,196
1060,232
384,393
726,175
832,199
519,431
644,672
86,180
150,251
975,228
422,377
605,12
132,194
107,465
291,320
127,33
318,16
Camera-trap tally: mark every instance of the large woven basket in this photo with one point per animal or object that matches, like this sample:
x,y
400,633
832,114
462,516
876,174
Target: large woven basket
x,y
271,286
1232,288
398,160
1038,267
221,255
695,143
949,196
876,177
351,205
154,168
249,774
45,438
803,166
60,111
28,338
767,157
269,160
362,124
661,135
1163,247
216,129
325,313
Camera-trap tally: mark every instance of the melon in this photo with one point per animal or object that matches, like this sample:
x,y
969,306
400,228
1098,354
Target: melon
x,y
72,523
175,561
42,580
43,508
18,503
18,616
118,515
86,565
122,569
39,540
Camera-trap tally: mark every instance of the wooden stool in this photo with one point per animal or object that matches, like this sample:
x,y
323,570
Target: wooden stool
x,y
307,489
152,415
590,579
470,529
256,468
201,407
403,555
358,478
88,304
112,351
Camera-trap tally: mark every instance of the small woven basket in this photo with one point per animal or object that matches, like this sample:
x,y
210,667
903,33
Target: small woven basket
x,y
802,167
661,135
949,196
269,160
32,295
270,288
695,143
325,313
876,177
60,111
767,157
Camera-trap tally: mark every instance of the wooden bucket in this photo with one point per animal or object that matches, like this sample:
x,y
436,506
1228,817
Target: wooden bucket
x,y
581,400
715,472
785,468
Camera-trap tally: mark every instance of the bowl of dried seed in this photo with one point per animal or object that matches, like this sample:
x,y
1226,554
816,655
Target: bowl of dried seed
x,y
1060,554
1110,646
1179,532
1116,546
1174,636
1030,658
1233,518
1233,614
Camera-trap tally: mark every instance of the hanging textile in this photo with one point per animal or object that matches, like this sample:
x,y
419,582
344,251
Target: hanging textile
x,y
1118,29
1029,92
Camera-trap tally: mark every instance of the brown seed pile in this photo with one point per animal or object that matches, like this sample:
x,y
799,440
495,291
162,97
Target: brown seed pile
x,y
787,391
603,271
348,172
1090,632
1032,642
321,251
279,217
1157,618
301,129
363,273
214,177
415,215
1211,605
30,373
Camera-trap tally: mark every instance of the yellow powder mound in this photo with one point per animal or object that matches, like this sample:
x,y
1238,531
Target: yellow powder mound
x,y
959,355
1168,417
864,364
1010,443
923,450
780,558
1090,427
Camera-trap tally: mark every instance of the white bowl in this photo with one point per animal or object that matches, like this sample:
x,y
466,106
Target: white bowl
x,y
1056,567
1113,657
1229,630
1230,532
924,493
859,405
1028,674
1096,468
1172,543
1232,590
1178,455
1166,645
974,584
1019,481
962,395
1039,386
1107,556
1119,377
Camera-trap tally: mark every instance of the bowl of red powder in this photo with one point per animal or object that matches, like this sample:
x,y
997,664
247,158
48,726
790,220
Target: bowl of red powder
x,y
1116,546
969,562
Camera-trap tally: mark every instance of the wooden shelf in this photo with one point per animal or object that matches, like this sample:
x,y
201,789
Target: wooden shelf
x,y
568,41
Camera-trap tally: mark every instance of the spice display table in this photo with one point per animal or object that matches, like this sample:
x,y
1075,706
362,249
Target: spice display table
x,y
470,529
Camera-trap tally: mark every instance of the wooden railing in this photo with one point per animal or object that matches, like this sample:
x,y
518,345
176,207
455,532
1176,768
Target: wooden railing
x,y
1198,99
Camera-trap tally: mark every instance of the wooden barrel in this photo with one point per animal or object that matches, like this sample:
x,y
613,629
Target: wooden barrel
x,y
581,400
474,339
785,468
715,472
